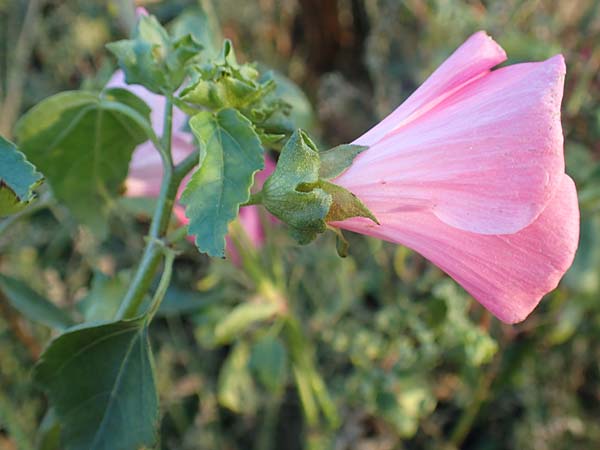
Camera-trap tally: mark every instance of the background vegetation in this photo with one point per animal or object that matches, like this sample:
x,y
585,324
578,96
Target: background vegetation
x,y
386,352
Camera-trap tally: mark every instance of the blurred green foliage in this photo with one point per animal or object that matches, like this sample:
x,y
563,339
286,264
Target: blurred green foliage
x,y
379,350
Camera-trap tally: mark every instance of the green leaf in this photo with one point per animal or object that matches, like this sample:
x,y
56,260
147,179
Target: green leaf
x,y
290,193
203,27
312,390
231,154
32,305
337,159
345,204
341,243
269,360
100,380
48,433
151,58
179,301
83,143
306,395
301,113
241,318
18,178
404,406
236,387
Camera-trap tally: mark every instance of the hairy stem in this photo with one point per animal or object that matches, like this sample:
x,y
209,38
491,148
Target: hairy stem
x,y
255,199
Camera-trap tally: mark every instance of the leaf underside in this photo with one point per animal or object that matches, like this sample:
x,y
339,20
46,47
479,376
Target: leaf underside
x,y
231,153
100,380
83,145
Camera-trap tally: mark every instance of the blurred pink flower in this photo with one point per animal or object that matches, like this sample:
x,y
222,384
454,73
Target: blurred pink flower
x,y
145,169
469,172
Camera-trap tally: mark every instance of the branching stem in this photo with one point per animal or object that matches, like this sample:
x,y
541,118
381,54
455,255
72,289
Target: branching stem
x,y
155,248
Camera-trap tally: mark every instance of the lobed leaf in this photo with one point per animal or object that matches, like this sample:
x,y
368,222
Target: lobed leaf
x,y
151,58
231,153
202,26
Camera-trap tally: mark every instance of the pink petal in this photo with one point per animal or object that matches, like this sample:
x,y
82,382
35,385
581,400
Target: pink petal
x,y
473,59
141,11
508,274
145,172
145,169
251,223
487,159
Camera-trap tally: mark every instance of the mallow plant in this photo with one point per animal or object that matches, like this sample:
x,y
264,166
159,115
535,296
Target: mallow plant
x,y
468,171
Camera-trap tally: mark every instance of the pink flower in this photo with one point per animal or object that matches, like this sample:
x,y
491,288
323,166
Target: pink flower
x,y
469,172
145,169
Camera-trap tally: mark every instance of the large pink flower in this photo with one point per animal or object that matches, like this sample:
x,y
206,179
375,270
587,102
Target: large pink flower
x,y
469,172
145,170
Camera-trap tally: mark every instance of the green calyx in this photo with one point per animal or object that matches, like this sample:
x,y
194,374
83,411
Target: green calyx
x,y
298,194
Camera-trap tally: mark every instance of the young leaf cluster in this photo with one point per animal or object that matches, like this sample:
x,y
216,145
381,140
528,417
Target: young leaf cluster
x,y
234,115
225,83
153,59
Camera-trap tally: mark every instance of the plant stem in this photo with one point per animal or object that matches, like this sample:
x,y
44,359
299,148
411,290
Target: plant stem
x,y
141,281
470,413
255,199
167,132
150,261
184,167
175,236
163,285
